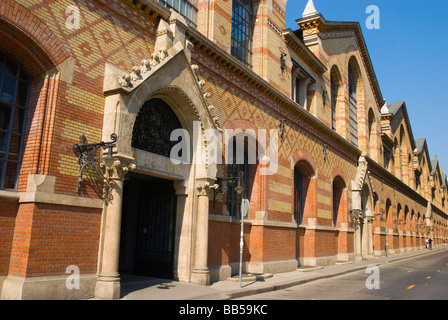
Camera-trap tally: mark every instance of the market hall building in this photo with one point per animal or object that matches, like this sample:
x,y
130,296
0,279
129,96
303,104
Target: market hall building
x,y
90,93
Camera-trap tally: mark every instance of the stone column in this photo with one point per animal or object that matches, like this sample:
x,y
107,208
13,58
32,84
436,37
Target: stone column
x,y
370,219
108,282
200,274
357,224
183,247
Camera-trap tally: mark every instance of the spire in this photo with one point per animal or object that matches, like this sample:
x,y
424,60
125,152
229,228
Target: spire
x,y
310,9
385,109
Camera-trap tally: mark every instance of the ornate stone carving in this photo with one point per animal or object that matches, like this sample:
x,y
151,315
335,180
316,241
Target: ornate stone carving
x,y
141,72
204,186
356,217
114,170
206,95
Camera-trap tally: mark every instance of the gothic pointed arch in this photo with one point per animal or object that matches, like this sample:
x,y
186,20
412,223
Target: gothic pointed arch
x,y
170,78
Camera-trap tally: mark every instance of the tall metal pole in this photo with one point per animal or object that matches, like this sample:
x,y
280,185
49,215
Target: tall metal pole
x,y
241,247
387,242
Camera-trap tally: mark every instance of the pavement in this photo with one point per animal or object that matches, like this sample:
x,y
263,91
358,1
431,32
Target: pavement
x,y
140,288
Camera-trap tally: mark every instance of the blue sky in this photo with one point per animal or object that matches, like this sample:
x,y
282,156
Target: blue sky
x,y
408,53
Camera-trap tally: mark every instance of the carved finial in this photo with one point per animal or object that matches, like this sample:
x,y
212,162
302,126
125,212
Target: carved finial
x,y
310,9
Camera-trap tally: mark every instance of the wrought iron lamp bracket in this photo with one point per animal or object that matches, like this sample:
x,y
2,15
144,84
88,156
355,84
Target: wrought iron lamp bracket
x,y
87,154
355,216
224,182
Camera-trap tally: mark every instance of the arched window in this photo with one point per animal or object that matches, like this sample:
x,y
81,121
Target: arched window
x,y
371,126
388,214
399,216
353,106
299,196
241,159
153,127
15,85
406,218
302,179
402,149
335,81
338,190
419,222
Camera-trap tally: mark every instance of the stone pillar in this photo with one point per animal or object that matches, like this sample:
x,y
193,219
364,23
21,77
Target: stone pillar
x,y
357,221
183,238
200,274
358,241
370,220
108,282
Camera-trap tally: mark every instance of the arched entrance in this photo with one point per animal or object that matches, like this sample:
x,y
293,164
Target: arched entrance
x,y
173,81
366,229
362,212
148,226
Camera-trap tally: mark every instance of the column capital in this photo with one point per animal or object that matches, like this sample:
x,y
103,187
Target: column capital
x,y
114,171
204,185
116,168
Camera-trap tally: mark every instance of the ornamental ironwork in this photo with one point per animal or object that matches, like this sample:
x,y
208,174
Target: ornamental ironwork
x,y
87,154
153,127
356,217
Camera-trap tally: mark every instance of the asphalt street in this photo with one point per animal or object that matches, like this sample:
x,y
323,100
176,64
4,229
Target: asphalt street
x,y
421,278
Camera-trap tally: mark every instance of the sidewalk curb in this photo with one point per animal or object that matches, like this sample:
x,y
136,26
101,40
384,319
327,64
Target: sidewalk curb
x,y
291,283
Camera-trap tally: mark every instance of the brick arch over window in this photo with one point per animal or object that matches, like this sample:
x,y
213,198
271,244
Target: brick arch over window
x,y
305,157
29,40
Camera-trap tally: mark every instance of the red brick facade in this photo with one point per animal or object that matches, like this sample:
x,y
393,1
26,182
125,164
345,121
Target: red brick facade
x,y
47,226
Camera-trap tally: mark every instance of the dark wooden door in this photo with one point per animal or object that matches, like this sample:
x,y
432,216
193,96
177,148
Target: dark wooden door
x,y
150,224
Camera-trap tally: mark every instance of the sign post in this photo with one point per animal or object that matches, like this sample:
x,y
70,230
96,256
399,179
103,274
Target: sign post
x,y
244,211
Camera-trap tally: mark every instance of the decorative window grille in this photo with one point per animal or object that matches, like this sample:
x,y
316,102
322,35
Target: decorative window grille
x,y
153,127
